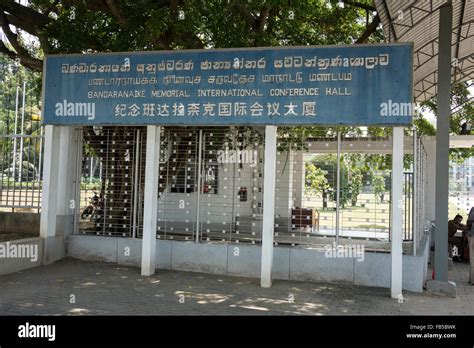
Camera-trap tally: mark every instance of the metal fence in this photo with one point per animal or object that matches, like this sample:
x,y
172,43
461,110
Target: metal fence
x,y
109,180
211,186
21,148
420,226
210,183
318,167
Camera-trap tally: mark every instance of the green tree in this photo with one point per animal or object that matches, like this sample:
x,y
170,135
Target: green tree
x,y
18,84
378,185
462,111
315,178
325,166
355,185
77,26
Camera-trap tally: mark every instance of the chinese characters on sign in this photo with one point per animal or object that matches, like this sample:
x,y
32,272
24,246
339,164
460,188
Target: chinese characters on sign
x,y
284,86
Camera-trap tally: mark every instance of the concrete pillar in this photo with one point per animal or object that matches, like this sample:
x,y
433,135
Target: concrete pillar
x,y
269,173
59,168
50,190
66,177
397,213
153,144
442,142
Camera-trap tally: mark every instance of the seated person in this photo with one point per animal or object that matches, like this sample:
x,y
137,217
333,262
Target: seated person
x,y
453,226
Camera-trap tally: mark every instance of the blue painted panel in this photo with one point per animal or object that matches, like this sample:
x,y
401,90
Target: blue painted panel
x,y
327,85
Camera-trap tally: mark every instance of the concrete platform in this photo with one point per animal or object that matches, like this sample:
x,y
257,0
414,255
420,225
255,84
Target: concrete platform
x,y
109,289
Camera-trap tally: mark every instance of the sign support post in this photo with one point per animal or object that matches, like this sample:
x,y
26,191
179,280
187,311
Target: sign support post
x,y
268,223
150,214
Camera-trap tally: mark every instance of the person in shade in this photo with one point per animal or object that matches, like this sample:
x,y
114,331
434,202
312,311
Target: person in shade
x,y
453,226
470,238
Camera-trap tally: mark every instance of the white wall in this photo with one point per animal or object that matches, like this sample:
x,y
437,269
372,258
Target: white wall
x,y
10,265
297,263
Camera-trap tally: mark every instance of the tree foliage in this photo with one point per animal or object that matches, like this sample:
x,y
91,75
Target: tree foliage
x,y
76,26
462,111
321,178
79,26
378,186
19,85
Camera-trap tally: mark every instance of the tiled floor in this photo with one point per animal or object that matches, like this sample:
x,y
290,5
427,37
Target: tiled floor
x,y
72,287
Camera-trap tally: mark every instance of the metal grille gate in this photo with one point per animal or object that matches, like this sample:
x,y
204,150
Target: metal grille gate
x,y
110,175
210,187
210,184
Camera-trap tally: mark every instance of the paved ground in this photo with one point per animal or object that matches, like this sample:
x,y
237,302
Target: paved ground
x,y
72,287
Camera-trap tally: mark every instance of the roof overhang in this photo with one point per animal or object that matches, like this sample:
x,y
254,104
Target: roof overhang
x,y
417,21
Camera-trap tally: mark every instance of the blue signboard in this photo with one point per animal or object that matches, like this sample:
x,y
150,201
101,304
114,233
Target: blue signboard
x,y
323,85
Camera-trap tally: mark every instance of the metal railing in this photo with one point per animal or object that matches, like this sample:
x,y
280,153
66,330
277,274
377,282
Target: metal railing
x,y
419,189
20,176
211,186
21,146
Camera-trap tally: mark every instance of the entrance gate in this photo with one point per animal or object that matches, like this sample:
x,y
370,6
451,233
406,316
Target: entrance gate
x,y
226,205
193,178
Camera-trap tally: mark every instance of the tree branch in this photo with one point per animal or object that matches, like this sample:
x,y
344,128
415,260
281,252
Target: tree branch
x,y
162,42
24,14
191,41
371,28
360,5
11,36
9,53
244,13
115,11
28,61
92,5
21,52
260,21
54,6
173,10
273,14
29,27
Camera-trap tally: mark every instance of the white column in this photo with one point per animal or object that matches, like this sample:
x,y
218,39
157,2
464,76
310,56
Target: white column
x,y
268,205
397,212
50,188
151,199
66,174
